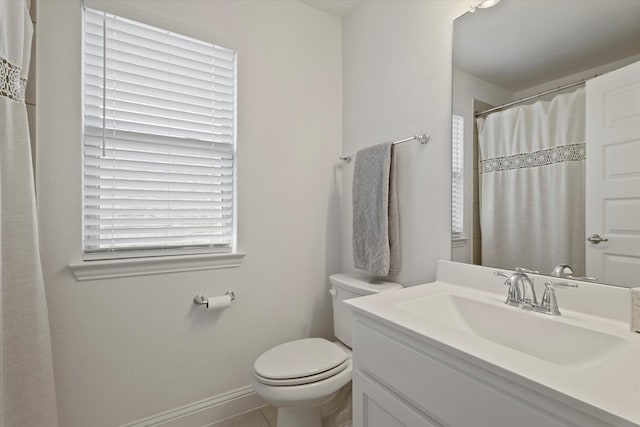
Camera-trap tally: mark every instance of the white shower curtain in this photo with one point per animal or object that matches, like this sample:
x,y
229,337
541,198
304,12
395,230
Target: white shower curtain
x,y
532,178
27,396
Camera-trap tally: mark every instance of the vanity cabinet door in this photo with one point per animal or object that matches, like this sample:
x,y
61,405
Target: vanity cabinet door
x,y
442,387
373,406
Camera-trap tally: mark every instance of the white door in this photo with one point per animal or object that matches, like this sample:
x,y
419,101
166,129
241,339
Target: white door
x,y
613,176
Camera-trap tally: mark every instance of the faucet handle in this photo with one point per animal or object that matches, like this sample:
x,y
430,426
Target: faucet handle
x,y
550,285
526,270
501,273
583,278
549,304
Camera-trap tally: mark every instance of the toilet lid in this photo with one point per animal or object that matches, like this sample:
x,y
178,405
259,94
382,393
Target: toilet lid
x,y
302,358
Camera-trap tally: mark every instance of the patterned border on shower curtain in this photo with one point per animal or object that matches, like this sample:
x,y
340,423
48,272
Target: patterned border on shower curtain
x,y
563,153
12,85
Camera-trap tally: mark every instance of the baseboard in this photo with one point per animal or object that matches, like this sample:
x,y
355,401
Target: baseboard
x,y
205,412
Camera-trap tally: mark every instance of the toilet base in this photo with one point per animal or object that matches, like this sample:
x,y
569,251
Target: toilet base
x,y
296,417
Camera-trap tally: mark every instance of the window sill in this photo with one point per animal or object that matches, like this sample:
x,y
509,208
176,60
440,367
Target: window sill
x,y
458,242
129,267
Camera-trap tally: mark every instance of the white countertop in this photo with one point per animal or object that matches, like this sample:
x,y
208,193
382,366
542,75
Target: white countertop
x,y
609,389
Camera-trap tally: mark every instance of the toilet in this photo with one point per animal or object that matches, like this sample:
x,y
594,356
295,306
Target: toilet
x,y
299,377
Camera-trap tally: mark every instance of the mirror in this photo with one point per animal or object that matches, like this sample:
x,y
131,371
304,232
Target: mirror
x,y
522,174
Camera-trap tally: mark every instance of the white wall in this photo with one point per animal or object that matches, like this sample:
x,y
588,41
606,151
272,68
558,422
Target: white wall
x,y
132,347
586,74
397,83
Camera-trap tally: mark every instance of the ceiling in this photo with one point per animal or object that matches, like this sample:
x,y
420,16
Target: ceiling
x,y
518,44
339,8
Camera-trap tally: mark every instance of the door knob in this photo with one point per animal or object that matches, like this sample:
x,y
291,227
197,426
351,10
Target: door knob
x,y
595,239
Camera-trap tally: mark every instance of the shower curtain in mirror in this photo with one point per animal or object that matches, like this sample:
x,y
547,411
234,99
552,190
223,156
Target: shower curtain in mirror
x,y
27,396
532,185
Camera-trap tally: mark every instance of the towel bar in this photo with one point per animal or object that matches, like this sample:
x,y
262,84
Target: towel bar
x,y
422,138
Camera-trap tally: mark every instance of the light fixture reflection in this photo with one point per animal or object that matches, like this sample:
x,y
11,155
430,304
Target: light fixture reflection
x,y
488,3
485,5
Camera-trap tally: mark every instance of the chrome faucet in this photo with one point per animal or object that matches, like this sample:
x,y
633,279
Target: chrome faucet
x,y
566,272
521,292
529,300
514,293
562,270
549,303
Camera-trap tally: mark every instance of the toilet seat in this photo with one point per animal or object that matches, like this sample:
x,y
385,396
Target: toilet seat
x,y
304,380
302,396
300,362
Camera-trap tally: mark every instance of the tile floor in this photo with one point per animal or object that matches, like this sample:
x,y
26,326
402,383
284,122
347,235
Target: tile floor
x,y
262,417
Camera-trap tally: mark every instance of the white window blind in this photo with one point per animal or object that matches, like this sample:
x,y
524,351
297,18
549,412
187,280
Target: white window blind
x,y
457,175
159,141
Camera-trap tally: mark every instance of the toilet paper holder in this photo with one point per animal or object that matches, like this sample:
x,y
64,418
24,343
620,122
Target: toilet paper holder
x,y
202,300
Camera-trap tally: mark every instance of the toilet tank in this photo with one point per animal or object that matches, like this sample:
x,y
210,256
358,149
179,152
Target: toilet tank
x,y
344,287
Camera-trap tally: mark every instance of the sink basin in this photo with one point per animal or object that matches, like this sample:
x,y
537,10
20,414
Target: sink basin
x,y
531,333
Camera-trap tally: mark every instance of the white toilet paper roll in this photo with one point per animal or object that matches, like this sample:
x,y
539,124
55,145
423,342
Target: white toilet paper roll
x,y
219,302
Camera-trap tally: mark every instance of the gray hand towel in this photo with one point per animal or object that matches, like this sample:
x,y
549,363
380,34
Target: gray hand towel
x,y
376,232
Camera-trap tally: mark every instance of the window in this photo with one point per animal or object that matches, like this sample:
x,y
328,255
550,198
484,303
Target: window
x,y
457,176
159,141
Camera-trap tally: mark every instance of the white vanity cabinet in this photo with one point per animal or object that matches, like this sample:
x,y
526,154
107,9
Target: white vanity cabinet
x,y
402,379
378,407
